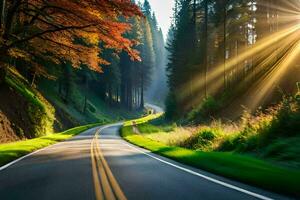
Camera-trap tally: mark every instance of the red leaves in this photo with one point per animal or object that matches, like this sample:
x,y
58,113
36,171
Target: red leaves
x,y
51,27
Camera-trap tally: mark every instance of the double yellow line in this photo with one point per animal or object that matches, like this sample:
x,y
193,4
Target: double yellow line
x,y
106,186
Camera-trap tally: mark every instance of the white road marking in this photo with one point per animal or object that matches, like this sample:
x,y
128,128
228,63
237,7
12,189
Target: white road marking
x,y
23,157
156,158
202,176
259,196
34,152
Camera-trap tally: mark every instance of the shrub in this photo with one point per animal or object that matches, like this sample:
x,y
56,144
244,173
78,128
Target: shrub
x,y
204,139
171,107
284,150
263,131
287,120
205,111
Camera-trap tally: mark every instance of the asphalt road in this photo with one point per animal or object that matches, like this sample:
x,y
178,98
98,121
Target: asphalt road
x,y
100,165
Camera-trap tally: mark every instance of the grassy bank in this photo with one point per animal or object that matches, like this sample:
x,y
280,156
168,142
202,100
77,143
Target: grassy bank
x,y
236,166
30,113
14,150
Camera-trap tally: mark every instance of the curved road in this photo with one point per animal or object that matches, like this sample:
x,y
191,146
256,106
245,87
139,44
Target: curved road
x,y
98,164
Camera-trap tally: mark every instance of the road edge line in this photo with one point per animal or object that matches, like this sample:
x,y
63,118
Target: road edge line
x,y
23,157
35,152
236,188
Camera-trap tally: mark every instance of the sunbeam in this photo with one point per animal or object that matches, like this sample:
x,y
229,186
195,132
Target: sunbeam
x,y
267,48
264,86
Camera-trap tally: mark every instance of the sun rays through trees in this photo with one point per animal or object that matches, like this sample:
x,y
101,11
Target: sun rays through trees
x,y
241,48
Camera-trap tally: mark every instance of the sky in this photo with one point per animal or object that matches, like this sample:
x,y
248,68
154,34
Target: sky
x,y
163,10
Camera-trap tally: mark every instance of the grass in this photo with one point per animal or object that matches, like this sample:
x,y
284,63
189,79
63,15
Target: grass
x,y
150,128
39,111
24,90
14,150
97,108
236,166
142,120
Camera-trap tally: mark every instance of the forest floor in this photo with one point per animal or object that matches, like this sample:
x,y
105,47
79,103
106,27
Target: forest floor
x,y
170,141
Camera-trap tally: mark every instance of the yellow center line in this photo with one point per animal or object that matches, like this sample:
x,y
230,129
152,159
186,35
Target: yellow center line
x,y
116,187
106,187
109,195
97,187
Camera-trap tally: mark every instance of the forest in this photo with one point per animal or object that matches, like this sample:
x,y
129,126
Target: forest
x,y
235,53
219,92
234,92
73,68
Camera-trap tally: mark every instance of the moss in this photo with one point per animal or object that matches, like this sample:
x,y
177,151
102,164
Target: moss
x,y
41,113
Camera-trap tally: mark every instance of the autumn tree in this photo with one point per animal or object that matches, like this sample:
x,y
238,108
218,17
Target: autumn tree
x,y
50,30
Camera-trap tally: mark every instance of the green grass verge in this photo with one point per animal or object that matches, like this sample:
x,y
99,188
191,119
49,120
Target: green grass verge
x,y
143,119
14,150
239,167
24,90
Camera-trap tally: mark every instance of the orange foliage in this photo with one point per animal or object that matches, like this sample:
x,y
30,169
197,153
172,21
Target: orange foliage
x,y
71,30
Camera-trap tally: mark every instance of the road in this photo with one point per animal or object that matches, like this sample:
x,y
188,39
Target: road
x,y
98,164
155,108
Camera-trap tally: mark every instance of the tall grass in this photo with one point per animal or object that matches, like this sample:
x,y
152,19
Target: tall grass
x,y
273,134
240,167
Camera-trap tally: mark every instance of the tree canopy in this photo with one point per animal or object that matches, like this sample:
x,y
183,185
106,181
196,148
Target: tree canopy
x,y
67,29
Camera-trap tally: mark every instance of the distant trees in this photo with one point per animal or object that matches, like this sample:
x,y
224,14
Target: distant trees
x,y
157,89
124,82
136,76
225,48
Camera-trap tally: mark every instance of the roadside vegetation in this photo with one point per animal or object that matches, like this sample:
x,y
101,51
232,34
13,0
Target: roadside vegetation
x,y
260,149
31,114
14,150
35,112
103,77
270,134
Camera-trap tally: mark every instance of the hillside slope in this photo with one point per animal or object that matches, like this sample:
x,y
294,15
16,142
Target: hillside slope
x,y
30,111
25,112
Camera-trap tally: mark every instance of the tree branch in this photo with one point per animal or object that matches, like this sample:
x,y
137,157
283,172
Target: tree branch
x,y
65,28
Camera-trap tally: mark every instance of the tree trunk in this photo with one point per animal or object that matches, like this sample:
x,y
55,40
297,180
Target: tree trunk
x,y
117,96
109,94
2,14
60,86
129,96
138,96
142,93
225,35
33,79
123,98
3,72
84,104
205,44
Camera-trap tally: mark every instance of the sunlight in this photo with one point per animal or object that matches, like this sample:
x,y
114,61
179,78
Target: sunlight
x,y
184,97
215,81
264,86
